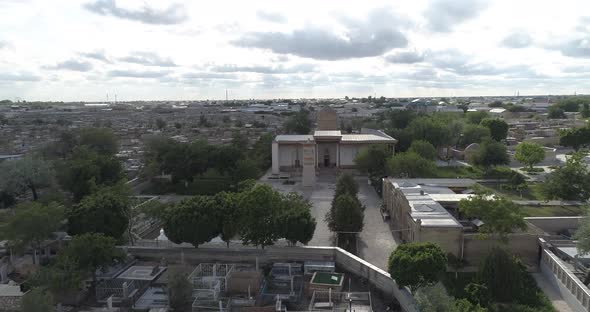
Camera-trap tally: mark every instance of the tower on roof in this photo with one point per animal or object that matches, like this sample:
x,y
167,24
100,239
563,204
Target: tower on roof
x,y
327,119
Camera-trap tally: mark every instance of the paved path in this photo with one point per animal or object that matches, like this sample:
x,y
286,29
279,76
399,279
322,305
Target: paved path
x,y
552,293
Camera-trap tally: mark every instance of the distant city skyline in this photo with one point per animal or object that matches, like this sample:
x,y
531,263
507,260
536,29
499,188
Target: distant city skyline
x,y
66,50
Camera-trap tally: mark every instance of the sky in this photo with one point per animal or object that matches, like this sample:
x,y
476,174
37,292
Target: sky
x,y
67,50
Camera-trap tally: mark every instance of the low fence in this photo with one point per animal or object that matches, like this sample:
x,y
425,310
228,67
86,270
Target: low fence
x,y
345,260
575,293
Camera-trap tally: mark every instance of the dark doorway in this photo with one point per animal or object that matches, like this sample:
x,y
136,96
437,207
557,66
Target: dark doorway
x,y
327,159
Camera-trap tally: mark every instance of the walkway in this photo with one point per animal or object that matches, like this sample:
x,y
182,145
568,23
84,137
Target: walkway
x,y
552,293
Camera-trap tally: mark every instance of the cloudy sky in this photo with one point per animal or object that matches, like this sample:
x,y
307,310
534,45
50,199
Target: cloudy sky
x,y
151,50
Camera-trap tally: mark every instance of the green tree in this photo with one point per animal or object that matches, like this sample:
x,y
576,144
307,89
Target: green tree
x,y
555,112
246,169
498,128
504,277
473,134
568,182
28,173
346,185
417,265
435,131
93,251
410,165
499,215
424,149
195,221
180,291
296,222
261,205
61,278
101,140
37,300
32,224
529,153
105,211
476,117
261,151
490,153
346,214
433,298
495,104
85,170
372,159
299,123
585,110
576,137
160,123
231,215
463,305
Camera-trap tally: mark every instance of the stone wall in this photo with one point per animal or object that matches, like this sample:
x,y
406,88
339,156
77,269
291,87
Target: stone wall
x,y
523,245
554,225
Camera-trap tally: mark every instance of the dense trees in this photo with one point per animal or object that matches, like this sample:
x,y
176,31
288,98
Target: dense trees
x,y
33,223
417,264
476,117
473,134
180,291
490,153
202,168
430,129
258,214
529,153
92,251
299,123
372,159
409,165
498,128
86,169
104,211
29,173
346,213
100,140
575,137
424,149
499,215
570,181
37,300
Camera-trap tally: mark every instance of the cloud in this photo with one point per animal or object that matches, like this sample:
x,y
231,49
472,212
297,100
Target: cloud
x,y
208,75
443,15
517,40
96,55
405,57
362,38
262,69
4,44
575,48
20,76
148,59
271,17
137,73
72,64
174,14
454,61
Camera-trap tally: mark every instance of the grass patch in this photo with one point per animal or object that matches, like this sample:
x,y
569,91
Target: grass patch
x,y
534,169
553,211
532,192
457,172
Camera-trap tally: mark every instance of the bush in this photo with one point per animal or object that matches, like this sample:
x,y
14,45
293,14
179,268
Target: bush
x,y
424,149
410,165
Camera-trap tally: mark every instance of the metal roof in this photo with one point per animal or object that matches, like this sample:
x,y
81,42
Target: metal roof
x,y
327,133
370,138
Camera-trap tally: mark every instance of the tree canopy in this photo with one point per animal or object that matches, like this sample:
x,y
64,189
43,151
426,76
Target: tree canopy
x,y
409,165
424,149
473,133
100,140
28,173
568,182
346,214
104,211
372,159
529,153
195,221
498,128
490,153
33,223
37,300
575,137
93,251
299,123
417,264
499,215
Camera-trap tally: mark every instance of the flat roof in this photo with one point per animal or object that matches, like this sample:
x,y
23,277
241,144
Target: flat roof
x,y
436,182
142,273
369,138
424,207
449,198
294,138
327,133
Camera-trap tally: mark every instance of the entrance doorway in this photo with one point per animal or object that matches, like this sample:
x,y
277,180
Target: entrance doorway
x,y
327,159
